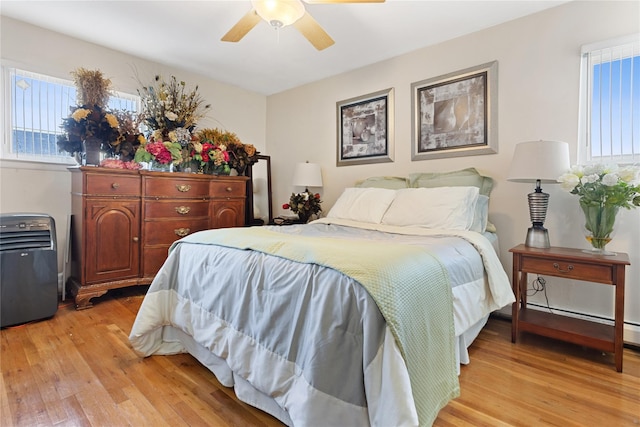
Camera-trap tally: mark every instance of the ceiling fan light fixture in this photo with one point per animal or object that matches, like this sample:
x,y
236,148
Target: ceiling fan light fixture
x,y
279,13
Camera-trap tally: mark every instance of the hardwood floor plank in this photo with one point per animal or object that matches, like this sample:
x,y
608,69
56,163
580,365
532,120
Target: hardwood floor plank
x,y
78,369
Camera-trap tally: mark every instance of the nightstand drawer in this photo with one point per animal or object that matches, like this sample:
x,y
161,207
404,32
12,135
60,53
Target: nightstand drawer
x,y
568,269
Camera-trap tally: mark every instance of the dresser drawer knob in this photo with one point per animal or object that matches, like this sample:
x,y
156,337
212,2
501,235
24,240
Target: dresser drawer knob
x,y
557,267
182,231
183,210
229,189
135,239
115,185
183,188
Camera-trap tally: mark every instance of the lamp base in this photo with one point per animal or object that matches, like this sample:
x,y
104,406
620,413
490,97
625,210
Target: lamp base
x,y
537,237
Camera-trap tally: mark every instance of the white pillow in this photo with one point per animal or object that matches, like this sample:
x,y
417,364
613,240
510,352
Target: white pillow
x,y
481,214
362,204
439,207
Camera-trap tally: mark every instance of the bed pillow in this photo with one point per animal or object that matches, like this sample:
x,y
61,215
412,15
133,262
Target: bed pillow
x,y
390,182
481,214
362,204
440,207
464,177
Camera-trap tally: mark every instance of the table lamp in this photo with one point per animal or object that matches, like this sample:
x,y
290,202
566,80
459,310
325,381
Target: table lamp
x,y
307,175
539,162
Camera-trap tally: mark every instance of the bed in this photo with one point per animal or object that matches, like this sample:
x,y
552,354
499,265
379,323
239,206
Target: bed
x,y
358,318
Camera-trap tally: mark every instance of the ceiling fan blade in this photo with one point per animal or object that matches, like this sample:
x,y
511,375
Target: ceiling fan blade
x,y
242,27
343,1
313,32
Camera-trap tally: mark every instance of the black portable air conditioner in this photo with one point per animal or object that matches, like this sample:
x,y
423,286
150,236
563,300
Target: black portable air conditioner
x,y
28,268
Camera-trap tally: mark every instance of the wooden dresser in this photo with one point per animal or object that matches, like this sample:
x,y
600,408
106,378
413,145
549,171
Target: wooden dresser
x,y
124,222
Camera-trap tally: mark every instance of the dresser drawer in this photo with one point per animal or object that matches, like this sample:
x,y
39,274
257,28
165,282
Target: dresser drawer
x,y
228,189
176,209
570,270
162,187
113,185
165,232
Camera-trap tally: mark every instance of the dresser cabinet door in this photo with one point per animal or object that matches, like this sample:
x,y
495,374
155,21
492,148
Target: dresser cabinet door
x,y
112,240
227,213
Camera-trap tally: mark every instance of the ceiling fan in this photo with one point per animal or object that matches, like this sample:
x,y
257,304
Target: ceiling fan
x,y
280,13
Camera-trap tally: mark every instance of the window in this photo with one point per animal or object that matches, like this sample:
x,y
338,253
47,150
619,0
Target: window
x,y
38,103
610,105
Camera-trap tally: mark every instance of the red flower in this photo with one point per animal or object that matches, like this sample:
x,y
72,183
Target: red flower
x,y
285,206
317,196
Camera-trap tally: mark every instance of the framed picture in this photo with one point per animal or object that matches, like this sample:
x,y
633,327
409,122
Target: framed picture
x,y
365,129
456,114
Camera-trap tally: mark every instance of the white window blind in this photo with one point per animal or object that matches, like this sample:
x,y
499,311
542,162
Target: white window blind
x,y
37,104
610,105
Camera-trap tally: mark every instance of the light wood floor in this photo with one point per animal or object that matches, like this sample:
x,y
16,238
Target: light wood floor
x,y
78,369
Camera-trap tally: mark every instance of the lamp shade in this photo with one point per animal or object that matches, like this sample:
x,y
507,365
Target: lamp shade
x,y
539,160
307,175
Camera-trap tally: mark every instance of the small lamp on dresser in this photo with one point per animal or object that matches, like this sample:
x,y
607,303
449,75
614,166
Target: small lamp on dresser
x,y
539,162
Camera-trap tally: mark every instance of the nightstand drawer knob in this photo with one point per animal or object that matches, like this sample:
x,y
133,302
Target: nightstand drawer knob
x,y
557,267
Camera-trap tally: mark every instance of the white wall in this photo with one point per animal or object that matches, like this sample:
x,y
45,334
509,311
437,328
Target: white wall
x,y
36,187
538,82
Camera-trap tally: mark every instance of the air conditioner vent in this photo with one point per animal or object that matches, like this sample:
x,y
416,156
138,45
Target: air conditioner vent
x,y
25,240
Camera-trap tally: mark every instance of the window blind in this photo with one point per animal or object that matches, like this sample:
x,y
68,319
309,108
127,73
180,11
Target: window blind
x,y
610,118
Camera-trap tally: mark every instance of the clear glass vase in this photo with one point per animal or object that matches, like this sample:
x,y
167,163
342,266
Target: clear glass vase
x,y
160,167
599,226
92,151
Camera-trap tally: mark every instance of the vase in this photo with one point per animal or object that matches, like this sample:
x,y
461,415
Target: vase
x,y
599,226
217,170
160,167
92,148
304,216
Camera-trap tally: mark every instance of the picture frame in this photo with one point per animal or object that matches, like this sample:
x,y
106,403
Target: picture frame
x,y
365,129
456,114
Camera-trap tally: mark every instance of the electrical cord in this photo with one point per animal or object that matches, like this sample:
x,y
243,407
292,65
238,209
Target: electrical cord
x,y
539,285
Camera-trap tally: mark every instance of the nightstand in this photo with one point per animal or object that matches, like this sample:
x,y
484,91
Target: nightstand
x,y
574,264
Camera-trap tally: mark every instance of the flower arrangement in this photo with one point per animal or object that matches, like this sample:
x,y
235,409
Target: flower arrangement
x,y
90,119
228,151
164,152
169,106
304,204
89,122
130,137
604,185
603,190
171,112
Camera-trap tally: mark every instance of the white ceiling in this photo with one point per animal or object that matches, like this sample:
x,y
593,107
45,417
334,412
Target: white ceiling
x,y
186,34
